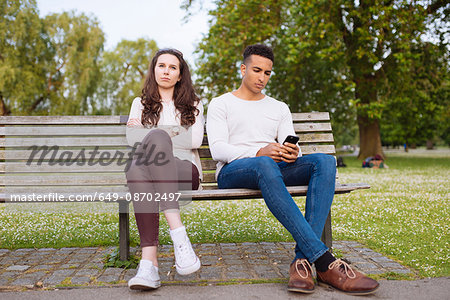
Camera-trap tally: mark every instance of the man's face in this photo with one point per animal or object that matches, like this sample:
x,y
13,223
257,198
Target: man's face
x,y
256,73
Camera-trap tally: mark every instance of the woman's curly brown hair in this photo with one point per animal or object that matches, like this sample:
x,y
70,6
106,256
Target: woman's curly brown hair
x,y
184,96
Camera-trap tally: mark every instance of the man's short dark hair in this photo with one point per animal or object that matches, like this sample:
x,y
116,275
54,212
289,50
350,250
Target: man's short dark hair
x,y
258,49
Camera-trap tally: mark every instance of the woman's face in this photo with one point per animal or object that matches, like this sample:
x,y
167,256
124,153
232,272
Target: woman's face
x,y
167,71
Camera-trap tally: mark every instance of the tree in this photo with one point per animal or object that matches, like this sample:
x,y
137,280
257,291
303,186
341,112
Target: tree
x,y
335,55
379,38
221,50
56,65
77,44
24,56
123,70
426,96
49,66
311,73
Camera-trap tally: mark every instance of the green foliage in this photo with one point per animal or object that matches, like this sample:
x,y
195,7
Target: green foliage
x,y
426,95
56,65
49,66
338,56
124,70
77,43
113,260
234,25
24,56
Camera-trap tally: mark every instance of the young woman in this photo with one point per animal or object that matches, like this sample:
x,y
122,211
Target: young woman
x,y
166,127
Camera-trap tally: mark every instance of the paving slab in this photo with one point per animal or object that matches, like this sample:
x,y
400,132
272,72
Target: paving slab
x,y
220,263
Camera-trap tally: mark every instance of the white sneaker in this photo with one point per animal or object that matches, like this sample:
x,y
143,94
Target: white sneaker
x,y
186,261
147,277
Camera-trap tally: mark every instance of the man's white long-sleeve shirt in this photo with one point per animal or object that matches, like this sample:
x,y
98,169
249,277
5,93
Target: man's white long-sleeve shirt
x,y
238,128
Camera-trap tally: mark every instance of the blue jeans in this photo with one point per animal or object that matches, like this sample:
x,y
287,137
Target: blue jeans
x,y
318,171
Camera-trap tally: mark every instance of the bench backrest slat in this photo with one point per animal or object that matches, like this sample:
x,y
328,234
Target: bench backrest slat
x,y
76,141
58,130
310,116
62,120
72,179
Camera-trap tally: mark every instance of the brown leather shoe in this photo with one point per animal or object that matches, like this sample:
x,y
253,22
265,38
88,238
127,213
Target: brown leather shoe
x,y
300,277
342,277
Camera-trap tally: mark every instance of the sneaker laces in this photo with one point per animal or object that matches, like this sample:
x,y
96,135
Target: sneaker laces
x,y
147,272
304,263
338,263
185,252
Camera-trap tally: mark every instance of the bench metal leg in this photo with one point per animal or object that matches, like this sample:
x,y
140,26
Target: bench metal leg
x,y
124,230
327,238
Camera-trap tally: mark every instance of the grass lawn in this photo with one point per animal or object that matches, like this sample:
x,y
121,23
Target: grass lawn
x,y
404,216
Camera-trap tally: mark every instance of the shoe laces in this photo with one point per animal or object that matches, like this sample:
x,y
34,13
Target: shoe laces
x,y
304,263
147,272
185,251
339,263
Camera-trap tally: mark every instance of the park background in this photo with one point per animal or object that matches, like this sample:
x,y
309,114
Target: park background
x,y
380,68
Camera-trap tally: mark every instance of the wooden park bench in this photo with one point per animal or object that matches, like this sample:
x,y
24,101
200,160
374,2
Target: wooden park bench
x,y
21,173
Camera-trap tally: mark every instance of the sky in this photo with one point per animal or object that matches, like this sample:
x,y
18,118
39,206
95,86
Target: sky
x,y
160,20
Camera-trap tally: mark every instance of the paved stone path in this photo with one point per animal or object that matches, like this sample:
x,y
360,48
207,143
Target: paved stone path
x,y
50,267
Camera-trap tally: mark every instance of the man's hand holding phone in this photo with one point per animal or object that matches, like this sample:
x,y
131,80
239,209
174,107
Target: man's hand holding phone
x,y
287,152
291,149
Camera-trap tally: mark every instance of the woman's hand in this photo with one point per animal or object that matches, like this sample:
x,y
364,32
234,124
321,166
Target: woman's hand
x,y
134,123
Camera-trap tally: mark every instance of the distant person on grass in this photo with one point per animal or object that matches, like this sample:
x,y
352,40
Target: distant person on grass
x,y
166,123
245,131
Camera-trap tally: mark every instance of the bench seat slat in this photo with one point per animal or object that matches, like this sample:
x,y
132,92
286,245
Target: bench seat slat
x,y
223,194
64,189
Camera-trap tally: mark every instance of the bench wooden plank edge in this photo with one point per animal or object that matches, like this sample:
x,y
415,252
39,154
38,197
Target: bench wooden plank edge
x,y
219,194
119,119
66,120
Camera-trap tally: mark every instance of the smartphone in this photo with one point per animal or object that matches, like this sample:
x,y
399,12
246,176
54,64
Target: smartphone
x,y
293,139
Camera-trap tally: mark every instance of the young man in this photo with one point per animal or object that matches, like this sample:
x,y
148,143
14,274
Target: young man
x,y
246,130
